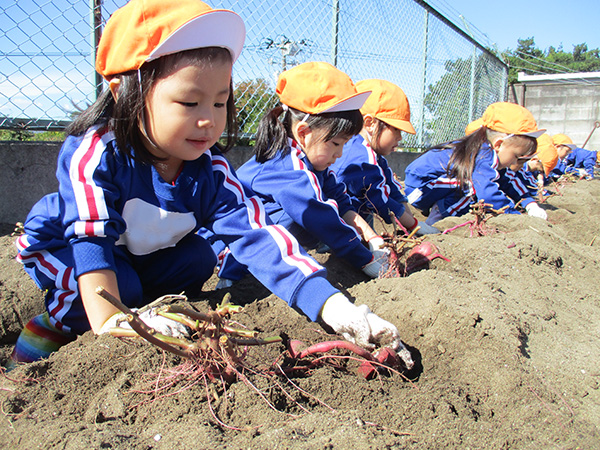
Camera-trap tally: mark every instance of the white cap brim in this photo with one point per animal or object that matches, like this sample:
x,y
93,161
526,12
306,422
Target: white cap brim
x,y
533,134
217,28
349,104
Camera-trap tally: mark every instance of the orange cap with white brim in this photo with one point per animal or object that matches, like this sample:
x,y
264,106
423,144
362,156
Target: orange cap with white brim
x,y
145,30
387,103
511,118
317,88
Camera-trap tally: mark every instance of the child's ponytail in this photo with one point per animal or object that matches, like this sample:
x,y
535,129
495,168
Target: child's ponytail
x,y
272,135
464,154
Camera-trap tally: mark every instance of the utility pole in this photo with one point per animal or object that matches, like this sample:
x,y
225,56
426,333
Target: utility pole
x,y
287,48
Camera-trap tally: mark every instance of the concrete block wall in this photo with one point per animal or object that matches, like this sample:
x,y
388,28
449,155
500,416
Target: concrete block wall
x,y
563,107
30,167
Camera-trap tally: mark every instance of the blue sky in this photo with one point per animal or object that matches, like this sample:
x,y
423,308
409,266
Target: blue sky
x,y
549,22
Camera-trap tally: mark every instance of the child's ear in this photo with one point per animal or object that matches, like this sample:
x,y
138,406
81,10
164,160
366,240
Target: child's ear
x,y
301,130
497,143
113,85
369,123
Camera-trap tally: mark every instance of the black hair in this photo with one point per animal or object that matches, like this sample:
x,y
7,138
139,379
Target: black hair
x,y
380,127
124,115
466,149
273,133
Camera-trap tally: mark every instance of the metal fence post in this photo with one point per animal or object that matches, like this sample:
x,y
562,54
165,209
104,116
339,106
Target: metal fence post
x,y
96,24
335,31
472,87
423,79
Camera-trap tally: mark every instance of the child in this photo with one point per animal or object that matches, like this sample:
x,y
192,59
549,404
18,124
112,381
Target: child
x,y
582,162
363,167
290,170
448,178
522,181
140,173
564,147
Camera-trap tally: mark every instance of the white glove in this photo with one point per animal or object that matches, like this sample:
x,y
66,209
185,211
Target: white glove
x,y
375,243
223,283
379,264
358,324
161,324
425,228
534,210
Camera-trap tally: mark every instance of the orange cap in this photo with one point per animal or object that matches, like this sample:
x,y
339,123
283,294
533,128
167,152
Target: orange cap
x,y
387,103
546,153
563,139
474,126
512,119
144,30
318,87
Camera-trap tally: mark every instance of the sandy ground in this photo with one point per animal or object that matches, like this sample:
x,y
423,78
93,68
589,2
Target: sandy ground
x,y
505,335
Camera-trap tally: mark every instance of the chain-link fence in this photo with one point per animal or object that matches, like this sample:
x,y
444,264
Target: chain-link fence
x,y
47,53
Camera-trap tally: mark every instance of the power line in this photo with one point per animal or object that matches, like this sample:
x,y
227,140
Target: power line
x,y
545,61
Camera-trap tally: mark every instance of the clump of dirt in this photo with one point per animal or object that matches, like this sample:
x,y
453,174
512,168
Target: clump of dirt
x,y
505,339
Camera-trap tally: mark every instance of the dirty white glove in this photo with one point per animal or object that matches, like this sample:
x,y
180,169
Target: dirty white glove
x,y
223,283
161,324
378,265
358,324
534,210
425,228
375,243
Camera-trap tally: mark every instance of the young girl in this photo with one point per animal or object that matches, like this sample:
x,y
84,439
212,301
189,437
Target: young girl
x,y
363,168
296,144
522,180
448,178
140,173
564,147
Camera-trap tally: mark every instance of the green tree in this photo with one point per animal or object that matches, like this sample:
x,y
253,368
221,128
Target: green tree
x,y
20,134
531,60
253,99
448,101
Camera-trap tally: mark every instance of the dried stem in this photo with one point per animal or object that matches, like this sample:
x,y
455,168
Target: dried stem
x,y
138,325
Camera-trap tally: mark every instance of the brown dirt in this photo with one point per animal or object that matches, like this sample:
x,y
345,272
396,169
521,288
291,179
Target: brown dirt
x,y
505,337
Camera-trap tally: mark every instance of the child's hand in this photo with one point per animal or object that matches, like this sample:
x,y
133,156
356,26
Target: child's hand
x,y
362,327
534,210
378,265
376,243
161,324
425,228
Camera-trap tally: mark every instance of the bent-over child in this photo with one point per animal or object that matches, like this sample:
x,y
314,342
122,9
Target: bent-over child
x,y
564,147
296,144
450,177
524,181
363,168
140,172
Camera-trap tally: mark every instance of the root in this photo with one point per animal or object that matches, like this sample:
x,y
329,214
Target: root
x,y
483,212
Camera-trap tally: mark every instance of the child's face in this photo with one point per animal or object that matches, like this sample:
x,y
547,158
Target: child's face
x,y
320,153
186,112
511,152
388,140
535,165
563,151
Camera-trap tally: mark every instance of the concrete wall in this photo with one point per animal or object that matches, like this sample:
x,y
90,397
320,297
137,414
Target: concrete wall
x,y
30,167
565,106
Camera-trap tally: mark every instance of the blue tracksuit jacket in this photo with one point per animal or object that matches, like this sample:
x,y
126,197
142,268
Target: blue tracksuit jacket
x,y
369,180
112,212
518,186
308,203
427,183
